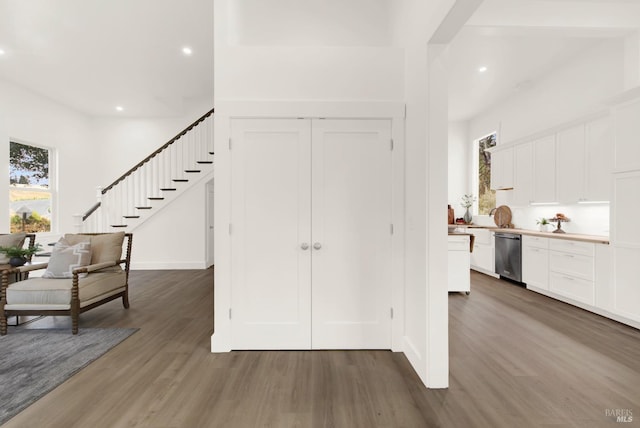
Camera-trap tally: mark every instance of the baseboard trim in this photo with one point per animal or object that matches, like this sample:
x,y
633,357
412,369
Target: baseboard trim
x,y
168,265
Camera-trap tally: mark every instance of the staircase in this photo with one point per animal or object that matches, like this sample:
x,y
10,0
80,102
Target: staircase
x,y
154,182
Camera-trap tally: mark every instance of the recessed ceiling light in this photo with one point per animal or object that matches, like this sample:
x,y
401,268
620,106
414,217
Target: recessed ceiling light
x,y
482,69
187,50
119,108
2,52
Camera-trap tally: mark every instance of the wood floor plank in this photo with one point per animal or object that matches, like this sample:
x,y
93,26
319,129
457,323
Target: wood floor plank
x,y
516,359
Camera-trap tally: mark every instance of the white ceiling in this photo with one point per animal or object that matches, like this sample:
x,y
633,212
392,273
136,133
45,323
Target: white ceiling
x,y
94,55
522,41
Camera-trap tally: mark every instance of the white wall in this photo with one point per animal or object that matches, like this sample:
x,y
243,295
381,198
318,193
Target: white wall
x,y
577,89
174,238
581,87
425,290
31,118
314,23
460,165
93,152
357,67
123,142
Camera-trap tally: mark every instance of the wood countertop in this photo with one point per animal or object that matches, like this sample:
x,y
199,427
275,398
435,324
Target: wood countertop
x,y
596,239
460,233
566,236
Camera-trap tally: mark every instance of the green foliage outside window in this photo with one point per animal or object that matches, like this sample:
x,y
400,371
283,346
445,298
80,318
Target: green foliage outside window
x,y
486,196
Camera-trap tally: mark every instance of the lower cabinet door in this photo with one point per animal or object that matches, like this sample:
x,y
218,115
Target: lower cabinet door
x,y
535,267
574,288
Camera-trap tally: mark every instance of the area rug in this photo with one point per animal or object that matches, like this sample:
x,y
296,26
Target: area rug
x,y
33,362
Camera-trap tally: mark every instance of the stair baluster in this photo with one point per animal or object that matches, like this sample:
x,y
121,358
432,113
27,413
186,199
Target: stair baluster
x,y
161,175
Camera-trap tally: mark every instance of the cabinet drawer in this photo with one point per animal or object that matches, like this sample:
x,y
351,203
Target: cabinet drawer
x,y
535,241
573,288
458,243
572,264
482,236
574,247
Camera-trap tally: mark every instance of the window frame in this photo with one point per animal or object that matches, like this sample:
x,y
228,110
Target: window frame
x,y
53,182
475,176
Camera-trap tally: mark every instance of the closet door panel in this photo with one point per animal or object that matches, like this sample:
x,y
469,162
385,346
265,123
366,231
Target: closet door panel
x,y
271,301
351,218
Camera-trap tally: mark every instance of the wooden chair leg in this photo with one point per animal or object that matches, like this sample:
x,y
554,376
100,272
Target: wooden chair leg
x,y
74,324
3,323
125,300
75,305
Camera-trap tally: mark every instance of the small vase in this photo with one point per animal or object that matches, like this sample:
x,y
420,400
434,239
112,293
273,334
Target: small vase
x,y
467,216
17,261
544,228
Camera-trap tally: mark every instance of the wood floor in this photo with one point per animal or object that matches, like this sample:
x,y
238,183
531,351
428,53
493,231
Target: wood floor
x,y
518,359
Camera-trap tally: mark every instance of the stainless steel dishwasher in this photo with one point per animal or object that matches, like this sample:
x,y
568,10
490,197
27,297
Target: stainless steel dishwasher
x,y
509,256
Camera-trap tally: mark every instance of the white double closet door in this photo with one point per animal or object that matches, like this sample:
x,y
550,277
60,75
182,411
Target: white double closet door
x,y
311,234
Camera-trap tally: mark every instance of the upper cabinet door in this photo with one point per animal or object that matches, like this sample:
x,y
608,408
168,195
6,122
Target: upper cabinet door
x,y
544,167
570,164
627,134
523,175
271,233
502,169
599,159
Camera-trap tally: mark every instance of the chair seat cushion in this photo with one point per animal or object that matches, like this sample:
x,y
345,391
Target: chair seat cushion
x,y
45,291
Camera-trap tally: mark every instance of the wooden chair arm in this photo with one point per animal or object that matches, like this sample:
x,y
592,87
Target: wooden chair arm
x,y
94,267
26,268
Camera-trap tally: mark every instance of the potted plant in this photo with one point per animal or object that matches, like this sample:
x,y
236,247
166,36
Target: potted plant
x,y
18,255
543,224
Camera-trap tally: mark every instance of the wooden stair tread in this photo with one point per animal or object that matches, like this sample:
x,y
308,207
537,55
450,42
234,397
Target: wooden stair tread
x,y
192,170
168,189
144,208
180,180
204,162
119,225
130,216
155,198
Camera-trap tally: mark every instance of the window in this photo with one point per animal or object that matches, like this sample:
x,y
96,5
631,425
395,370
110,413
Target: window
x,y
30,192
486,200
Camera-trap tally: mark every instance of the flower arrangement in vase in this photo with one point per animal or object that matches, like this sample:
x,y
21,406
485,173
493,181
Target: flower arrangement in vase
x,y
467,202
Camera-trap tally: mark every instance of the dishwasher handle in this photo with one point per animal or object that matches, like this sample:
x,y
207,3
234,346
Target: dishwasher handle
x,y
508,236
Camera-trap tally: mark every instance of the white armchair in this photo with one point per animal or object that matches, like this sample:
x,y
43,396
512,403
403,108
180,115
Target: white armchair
x,y
105,278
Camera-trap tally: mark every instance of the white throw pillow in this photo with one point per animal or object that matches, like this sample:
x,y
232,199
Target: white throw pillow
x,y
65,258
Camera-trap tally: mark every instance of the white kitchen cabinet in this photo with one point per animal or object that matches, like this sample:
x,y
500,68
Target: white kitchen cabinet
x,y
502,169
535,262
599,160
483,255
570,164
626,244
459,263
572,270
627,129
522,175
584,162
544,170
